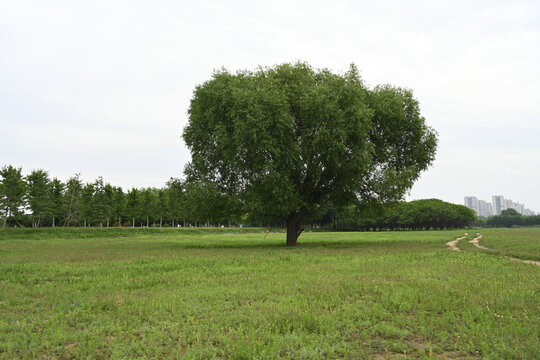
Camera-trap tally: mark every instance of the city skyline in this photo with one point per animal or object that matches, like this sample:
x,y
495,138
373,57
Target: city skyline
x,y
496,206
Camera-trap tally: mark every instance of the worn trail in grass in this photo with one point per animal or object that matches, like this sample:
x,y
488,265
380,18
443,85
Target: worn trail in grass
x,y
523,243
476,242
171,294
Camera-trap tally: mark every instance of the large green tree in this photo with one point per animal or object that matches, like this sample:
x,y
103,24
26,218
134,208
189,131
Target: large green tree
x,y
118,208
101,202
38,197
12,191
205,204
288,140
56,199
72,200
133,205
87,207
147,205
177,200
162,205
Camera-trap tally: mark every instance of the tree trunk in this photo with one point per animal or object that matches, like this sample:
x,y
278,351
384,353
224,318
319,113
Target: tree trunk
x,y
5,219
294,229
147,222
133,223
161,221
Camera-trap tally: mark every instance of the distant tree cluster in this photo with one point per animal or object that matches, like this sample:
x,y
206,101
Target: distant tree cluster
x,y
415,215
36,200
511,218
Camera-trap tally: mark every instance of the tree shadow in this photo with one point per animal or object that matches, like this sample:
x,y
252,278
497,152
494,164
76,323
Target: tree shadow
x,y
262,245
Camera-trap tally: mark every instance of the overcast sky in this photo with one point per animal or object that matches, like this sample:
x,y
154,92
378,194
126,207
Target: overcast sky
x,y
102,87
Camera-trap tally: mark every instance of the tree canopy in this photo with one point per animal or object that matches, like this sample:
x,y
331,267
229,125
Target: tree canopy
x,y
187,204
288,140
12,191
415,215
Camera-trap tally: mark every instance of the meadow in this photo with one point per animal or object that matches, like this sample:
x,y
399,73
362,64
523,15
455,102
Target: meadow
x,y
241,294
518,243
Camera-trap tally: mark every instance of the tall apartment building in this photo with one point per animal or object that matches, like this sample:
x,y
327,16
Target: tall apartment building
x,y
481,207
484,209
509,204
472,203
498,204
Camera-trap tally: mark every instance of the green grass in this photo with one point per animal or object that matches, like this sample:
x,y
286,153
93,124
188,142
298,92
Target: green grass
x,y
113,232
523,243
105,293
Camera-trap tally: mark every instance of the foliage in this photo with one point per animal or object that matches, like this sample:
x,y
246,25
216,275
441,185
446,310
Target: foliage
x,y
415,215
56,199
12,193
510,218
43,202
72,199
38,195
288,140
187,203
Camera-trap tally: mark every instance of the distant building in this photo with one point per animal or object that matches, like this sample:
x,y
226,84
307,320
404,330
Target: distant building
x,y
528,212
484,209
472,203
498,204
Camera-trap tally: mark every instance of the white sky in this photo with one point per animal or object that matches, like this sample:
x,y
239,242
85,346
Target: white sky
x,y
102,87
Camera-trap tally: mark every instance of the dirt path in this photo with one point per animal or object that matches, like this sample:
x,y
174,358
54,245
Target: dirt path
x,y
453,243
477,244
537,263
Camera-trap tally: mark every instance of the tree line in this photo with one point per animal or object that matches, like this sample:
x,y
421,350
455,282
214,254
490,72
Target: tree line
x,y
510,218
37,200
414,215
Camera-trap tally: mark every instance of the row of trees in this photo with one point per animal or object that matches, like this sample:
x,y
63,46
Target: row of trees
x,y
415,215
510,218
37,200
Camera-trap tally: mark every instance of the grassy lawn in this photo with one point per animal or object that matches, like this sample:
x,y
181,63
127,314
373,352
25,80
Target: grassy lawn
x,y
520,243
125,293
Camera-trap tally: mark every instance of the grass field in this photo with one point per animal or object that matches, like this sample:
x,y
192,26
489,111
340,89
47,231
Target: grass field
x,y
202,294
519,243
